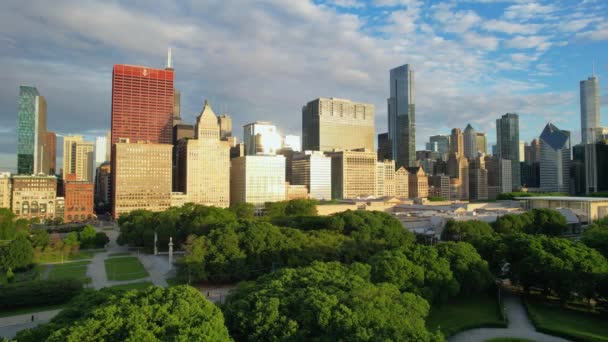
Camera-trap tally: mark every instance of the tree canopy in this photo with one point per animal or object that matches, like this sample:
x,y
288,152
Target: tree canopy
x,y
596,236
535,221
465,230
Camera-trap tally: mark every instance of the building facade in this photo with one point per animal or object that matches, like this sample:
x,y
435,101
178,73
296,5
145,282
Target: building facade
x,y
439,143
385,178
257,179
34,196
204,163
402,183
590,109
312,169
78,202
103,185
482,143
142,104
353,173
262,138
478,179
32,155
507,133
555,159
418,182
225,123
6,188
439,186
330,124
51,148
457,142
79,158
384,147
141,176
470,142
402,116
499,176
458,167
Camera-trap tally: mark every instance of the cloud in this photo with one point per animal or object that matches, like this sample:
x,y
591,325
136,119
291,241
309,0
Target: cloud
x,y
346,3
507,27
540,43
527,11
481,41
599,33
455,21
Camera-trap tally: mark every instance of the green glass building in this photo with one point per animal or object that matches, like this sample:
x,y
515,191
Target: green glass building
x,y
31,132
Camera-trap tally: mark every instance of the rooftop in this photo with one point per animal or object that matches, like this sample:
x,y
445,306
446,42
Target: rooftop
x,y
564,198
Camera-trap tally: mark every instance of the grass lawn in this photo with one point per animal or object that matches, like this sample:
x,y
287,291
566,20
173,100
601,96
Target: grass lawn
x,y
71,270
111,255
23,311
465,313
127,268
56,257
133,286
508,339
567,323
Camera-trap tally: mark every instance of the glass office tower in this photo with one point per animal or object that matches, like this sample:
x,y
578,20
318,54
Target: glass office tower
x,y
402,116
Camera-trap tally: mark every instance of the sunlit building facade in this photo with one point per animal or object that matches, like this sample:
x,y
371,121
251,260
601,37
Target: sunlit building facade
x,y
353,173
257,179
312,169
6,188
33,197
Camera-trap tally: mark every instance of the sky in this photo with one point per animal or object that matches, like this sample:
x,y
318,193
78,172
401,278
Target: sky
x,y
474,60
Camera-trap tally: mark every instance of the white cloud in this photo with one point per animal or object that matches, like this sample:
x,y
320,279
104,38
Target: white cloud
x,y
346,3
527,11
481,41
455,21
504,26
599,33
576,25
540,43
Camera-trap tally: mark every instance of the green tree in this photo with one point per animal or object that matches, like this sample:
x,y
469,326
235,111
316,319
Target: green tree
x,y
546,221
469,269
466,230
17,254
243,210
7,224
596,236
87,236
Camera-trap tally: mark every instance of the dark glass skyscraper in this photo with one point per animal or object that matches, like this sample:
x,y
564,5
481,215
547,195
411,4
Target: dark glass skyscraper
x,y
402,116
31,132
507,135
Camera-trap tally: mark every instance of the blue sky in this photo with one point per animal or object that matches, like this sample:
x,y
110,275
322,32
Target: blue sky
x,y
263,60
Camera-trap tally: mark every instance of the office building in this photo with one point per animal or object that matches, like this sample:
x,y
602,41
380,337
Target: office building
x,y
384,147
500,172
590,109
142,104
457,142
292,142
578,184
293,192
532,152
261,138
522,148
100,150
204,163
78,201
428,165
177,106
103,186
478,179
458,167
418,182
470,142
34,196
78,158
225,123
554,159
141,176
6,187
312,169
31,132
385,178
440,143
439,186
507,133
402,116
353,173
51,149
402,183
530,175
257,179
482,143
330,124
69,142
108,145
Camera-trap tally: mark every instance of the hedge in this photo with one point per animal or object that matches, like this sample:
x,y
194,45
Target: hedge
x,y
35,293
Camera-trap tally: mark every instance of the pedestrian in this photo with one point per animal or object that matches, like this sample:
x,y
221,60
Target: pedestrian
x,y
32,318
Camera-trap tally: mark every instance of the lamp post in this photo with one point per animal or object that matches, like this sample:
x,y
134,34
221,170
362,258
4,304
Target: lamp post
x,y
171,253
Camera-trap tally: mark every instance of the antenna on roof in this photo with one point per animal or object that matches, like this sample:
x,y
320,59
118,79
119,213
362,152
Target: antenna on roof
x,y
169,60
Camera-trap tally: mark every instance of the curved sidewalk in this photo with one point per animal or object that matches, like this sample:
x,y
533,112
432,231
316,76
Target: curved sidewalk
x,y
519,326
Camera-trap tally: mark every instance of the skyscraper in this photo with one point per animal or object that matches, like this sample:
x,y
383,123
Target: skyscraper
x,y
482,143
402,116
554,159
31,132
142,104
442,143
507,135
457,142
78,158
204,163
313,169
384,146
590,109
68,143
225,123
257,179
261,137
100,150
51,149
470,142
353,173
330,124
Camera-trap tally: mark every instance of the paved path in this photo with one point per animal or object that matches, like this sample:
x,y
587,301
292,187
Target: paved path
x,y
10,326
519,326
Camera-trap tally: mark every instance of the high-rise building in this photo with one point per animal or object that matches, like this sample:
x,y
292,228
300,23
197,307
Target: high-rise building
x,y
141,176
402,183
577,171
554,159
402,116
457,142
418,182
257,179
507,134
103,185
385,178
204,163
470,142
532,152
590,109
601,149
6,188
499,175
330,124
262,138
225,123
439,186
353,173
142,104
482,143
31,132
34,196
530,175
384,147
100,150
442,143
522,149
108,145
51,149
177,106
312,169
478,179
292,142
68,153
78,158
458,167
78,203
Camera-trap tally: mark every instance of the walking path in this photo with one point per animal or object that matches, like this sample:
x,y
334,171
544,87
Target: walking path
x,y
519,326
10,326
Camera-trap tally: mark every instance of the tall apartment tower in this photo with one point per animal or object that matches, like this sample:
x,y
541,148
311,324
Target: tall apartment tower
x,y
32,157
51,148
554,159
478,179
312,169
78,158
225,123
590,109
330,124
457,142
142,104
204,163
507,134
482,143
402,116
470,142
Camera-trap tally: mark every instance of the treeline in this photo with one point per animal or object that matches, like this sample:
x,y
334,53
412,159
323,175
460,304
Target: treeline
x,y
511,195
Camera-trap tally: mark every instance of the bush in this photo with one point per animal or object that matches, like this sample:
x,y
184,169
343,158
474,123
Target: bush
x,y
35,293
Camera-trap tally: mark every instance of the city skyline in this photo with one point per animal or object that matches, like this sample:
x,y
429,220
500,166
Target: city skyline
x,y
79,101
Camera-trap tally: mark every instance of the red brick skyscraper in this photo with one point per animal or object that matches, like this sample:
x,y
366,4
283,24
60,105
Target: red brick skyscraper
x,y
51,146
142,104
